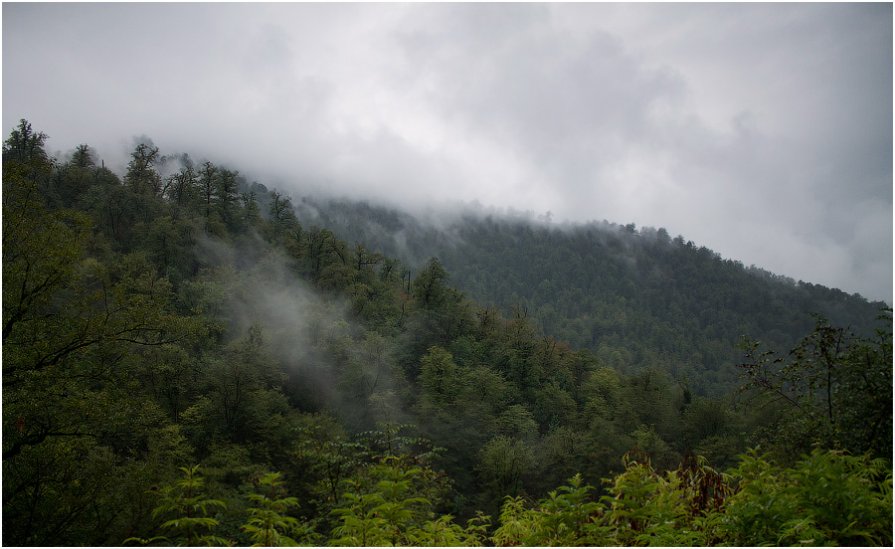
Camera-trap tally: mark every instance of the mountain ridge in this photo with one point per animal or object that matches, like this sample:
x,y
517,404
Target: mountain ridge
x,y
157,323
605,287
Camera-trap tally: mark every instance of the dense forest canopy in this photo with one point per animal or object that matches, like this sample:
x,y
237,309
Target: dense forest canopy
x,y
188,359
636,298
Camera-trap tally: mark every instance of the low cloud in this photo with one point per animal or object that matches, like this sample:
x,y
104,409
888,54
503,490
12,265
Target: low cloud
x,y
340,365
763,132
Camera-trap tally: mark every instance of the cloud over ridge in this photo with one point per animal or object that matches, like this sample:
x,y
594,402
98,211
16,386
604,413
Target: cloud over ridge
x,y
761,131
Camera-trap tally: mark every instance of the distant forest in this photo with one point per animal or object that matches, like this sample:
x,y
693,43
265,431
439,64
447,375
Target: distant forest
x,y
637,299
189,359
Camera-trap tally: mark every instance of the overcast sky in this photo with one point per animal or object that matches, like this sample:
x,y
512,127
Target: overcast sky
x,y
761,131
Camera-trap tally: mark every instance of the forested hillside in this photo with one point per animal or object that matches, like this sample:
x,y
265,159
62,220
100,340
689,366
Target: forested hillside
x,y
637,299
186,361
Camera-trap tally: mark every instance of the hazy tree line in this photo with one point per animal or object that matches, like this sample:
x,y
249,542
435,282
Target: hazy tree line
x,y
636,298
185,361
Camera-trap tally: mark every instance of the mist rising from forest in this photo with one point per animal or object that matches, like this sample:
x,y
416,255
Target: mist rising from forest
x,y
189,339
313,337
442,219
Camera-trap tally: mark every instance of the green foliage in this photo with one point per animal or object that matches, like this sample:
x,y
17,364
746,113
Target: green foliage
x,y
503,463
428,288
835,387
635,298
828,498
438,377
517,524
142,175
384,508
24,146
267,525
645,508
567,517
642,508
444,532
187,509
150,321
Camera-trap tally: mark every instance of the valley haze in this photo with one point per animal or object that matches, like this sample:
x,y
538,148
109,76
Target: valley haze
x,y
763,132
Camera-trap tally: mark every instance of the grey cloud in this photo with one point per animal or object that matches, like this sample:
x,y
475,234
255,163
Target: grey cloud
x,y
761,131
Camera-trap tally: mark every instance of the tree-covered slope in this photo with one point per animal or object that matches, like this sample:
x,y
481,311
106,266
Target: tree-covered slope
x,y
635,298
187,362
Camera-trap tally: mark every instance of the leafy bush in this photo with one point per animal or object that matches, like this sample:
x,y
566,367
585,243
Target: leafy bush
x,y
828,498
